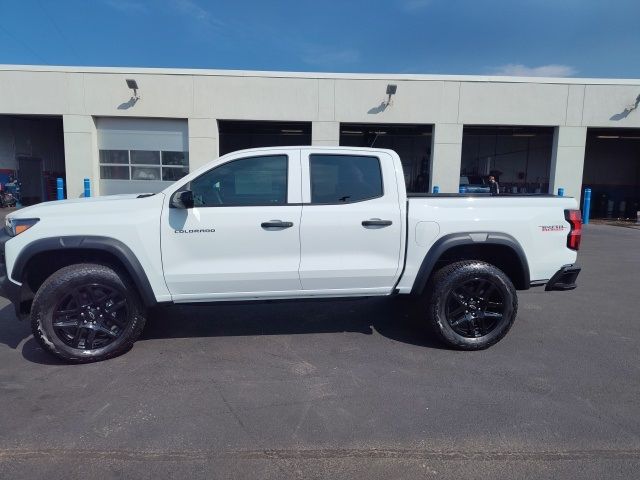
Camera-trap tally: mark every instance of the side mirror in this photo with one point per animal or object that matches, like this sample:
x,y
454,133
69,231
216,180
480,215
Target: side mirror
x,y
182,199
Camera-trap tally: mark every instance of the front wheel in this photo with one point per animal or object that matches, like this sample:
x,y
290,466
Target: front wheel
x,y
86,313
471,304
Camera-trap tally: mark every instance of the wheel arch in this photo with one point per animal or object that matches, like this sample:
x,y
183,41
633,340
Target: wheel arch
x,y
499,249
74,249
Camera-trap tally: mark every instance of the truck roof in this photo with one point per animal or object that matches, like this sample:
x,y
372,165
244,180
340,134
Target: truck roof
x,y
315,147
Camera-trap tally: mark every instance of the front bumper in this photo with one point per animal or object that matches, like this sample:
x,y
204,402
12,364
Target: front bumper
x,y
564,279
8,289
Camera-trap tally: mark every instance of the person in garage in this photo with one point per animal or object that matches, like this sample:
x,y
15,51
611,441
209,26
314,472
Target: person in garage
x,y
494,188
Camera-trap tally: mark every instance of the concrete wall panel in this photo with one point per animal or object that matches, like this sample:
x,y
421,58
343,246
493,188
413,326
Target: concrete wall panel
x,y
203,127
325,132
364,101
450,102
512,104
604,106
567,161
44,93
446,155
326,100
160,96
575,101
79,124
251,98
78,148
202,150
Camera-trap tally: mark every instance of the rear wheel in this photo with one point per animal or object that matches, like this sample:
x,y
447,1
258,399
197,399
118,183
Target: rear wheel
x,y
471,304
85,313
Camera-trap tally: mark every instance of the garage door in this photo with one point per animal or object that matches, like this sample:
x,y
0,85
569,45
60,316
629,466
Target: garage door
x,y
141,155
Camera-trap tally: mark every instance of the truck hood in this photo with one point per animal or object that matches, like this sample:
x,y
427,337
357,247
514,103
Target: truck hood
x,y
86,204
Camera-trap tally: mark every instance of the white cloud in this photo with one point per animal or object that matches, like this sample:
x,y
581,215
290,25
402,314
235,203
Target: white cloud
x,y
413,5
202,23
328,58
191,9
519,70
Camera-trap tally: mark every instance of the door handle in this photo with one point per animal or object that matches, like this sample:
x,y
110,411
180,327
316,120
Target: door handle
x,y
376,222
276,224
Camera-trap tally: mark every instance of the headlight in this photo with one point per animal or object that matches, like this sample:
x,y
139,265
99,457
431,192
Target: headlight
x,y
15,226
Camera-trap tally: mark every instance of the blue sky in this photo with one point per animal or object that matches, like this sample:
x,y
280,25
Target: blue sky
x,y
584,38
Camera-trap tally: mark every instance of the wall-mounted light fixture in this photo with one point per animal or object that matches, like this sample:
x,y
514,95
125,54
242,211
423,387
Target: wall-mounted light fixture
x,y
133,85
391,90
631,107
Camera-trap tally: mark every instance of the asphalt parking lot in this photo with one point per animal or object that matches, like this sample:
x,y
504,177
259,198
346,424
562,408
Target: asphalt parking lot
x,y
343,390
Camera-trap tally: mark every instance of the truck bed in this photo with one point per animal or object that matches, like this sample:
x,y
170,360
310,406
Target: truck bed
x,y
501,195
535,222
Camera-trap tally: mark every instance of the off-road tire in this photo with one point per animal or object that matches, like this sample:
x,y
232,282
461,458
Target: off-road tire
x,y
58,285
442,291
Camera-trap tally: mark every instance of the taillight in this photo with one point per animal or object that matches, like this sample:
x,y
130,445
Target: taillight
x,y
574,218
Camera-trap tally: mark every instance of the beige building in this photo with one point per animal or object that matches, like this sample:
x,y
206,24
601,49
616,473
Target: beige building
x,y
535,134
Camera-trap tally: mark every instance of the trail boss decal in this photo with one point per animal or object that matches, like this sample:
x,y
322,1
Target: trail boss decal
x,y
197,230
552,228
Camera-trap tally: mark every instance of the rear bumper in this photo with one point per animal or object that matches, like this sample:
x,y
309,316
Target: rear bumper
x,y
564,279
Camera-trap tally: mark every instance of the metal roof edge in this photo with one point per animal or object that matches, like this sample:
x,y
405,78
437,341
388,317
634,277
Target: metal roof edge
x,y
319,75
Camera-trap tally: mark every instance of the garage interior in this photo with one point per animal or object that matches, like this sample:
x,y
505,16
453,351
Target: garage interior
x,y
412,142
31,151
237,134
518,156
612,171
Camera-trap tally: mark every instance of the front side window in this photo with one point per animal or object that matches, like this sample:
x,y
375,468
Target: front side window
x,y
248,181
344,178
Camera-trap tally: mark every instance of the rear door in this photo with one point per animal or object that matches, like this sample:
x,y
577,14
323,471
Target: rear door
x,y
351,229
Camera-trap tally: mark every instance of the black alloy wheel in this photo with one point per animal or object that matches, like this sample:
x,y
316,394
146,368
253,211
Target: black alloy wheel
x,y
91,316
474,308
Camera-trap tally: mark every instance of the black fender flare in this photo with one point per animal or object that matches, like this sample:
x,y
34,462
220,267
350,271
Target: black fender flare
x,y
105,244
452,240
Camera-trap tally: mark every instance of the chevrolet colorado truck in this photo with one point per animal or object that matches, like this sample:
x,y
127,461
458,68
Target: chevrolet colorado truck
x,y
282,223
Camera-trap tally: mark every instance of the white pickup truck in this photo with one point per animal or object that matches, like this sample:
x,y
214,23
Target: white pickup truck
x,y
282,223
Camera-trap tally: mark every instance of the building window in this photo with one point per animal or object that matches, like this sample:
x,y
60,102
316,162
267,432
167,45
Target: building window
x,y
156,165
114,156
144,157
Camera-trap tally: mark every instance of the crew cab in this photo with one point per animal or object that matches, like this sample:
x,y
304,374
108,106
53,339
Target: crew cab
x,y
282,223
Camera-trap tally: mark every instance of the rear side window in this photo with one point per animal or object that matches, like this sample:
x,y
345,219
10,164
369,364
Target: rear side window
x,y
344,178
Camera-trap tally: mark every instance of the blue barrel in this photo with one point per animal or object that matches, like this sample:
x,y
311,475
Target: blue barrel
x,y
59,188
561,192
436,189
87,187
586,206
462,189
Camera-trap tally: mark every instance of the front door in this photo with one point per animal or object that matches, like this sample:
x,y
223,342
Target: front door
x,y
351,232
242,236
